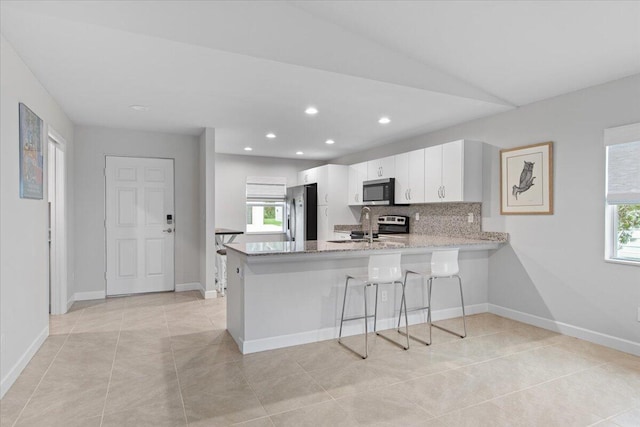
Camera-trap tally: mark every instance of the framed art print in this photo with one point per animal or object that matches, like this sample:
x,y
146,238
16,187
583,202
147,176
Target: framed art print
x,y
526,180
31,161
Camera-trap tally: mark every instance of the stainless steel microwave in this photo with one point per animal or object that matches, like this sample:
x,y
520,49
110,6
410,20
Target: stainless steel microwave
x,y
379,192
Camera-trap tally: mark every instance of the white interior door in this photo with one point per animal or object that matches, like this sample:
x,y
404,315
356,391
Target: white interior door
x,y
139,225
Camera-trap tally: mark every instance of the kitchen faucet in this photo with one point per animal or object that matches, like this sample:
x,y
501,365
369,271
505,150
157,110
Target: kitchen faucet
x,y
367,211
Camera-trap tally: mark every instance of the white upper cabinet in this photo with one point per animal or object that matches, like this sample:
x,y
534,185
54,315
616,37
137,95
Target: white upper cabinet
x,y
409,174
357,175
381,168
453,172
308,176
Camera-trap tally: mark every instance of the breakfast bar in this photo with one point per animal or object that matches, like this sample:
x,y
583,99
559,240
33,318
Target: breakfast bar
x,y
288,293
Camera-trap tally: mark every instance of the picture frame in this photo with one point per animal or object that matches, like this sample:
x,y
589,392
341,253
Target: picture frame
x,y
526,180
31,140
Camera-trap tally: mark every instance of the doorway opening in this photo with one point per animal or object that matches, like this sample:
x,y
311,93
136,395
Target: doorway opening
x,y
56,196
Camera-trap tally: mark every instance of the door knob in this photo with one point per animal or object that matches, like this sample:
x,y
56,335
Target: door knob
x,y
168,230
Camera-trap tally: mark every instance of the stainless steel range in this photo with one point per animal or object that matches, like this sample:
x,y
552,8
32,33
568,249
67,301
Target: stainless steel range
x,y
387,224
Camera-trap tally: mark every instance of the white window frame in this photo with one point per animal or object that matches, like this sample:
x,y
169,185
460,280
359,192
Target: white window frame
x,y
266,191
268,203
612,136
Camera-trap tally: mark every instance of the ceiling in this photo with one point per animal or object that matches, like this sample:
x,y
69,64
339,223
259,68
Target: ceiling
x,y
250,68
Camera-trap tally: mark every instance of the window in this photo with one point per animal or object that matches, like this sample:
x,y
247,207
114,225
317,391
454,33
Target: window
x,y
265,216
266,205
623,194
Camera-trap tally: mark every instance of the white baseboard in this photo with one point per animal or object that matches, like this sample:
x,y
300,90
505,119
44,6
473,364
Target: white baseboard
x,y
70,302
193,286
17,369
253,346
570,330
196,286
208,294
86,296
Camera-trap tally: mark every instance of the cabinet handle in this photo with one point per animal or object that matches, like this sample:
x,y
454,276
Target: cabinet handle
x,y
406,194
326,211
326,198
409,190
444,192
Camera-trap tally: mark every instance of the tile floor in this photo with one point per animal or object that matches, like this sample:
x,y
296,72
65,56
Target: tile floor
x,y
166,360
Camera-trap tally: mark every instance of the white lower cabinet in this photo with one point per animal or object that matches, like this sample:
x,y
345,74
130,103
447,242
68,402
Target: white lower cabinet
x,y
341,235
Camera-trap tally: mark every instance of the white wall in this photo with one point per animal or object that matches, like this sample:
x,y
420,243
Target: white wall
x,y
206,150
92,145
231,177
554,265
24,313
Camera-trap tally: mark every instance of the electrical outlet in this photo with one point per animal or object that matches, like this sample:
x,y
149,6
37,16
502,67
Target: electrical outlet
x,y
384,296
417,216
470,217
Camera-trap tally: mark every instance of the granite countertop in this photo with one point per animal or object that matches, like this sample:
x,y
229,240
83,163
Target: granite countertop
x,y
387,242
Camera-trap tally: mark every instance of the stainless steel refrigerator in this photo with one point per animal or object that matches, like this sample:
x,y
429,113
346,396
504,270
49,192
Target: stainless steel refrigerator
x,y
302,211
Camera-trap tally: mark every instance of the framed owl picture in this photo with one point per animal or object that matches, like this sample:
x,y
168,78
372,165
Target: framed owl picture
x,y
526,180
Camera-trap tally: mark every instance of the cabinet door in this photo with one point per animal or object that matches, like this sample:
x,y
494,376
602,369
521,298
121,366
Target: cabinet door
x,y
321,175
381,168
452,171
432,174
357,175
388,167
308,176
416,176
374,170
403,182
323,223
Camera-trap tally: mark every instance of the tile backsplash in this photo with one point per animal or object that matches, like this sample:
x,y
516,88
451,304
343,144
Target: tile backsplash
x,y
439,219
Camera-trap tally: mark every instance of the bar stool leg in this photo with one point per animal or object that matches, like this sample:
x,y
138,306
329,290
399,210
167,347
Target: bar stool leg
x,y
403,301
344,303
366,320
429,284
464,321
375,312
406,316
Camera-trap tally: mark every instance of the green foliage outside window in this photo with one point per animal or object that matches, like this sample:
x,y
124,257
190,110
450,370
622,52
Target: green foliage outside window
x,y
628,221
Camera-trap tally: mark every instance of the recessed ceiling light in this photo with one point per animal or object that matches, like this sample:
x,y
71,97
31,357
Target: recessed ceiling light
x,y
248,148
384,120
139,107
329,141
312,111
299,153
270,135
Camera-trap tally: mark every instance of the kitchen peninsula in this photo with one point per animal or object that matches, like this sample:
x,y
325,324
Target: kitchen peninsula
x,y
288,293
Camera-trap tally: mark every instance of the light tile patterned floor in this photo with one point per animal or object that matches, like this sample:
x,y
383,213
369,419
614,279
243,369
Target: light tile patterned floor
x,y
167,360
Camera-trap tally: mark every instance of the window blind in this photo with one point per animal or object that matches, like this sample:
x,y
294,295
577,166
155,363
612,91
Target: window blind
x,y
266,187
623,164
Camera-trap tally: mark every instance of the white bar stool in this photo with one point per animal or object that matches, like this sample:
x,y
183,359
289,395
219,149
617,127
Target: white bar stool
x,y
383,269
444,265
